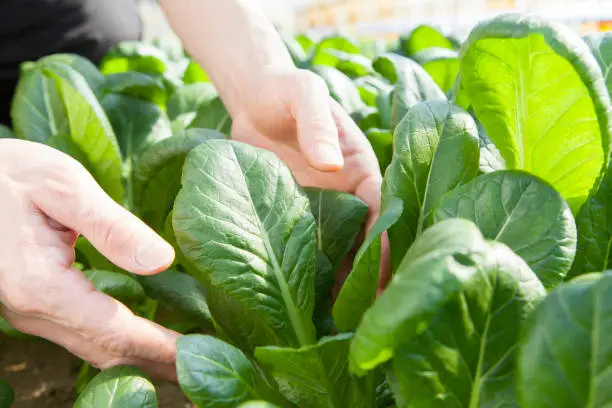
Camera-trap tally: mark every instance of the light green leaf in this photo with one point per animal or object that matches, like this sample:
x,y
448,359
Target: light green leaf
x,y
93,258
213,115
442,64
7,396
188,98
359,290
565,352
120,286
382,143
435,150
134,56
245,224
214,374
524,213
541,98
83,66
194,74
316,376
422,38
352,65
118,387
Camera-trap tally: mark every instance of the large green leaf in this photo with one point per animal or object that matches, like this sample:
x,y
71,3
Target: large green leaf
x,y
317,376
435,150
213,115
157,177
118,387
442,64
214,374
325,277
540,96
137,85
359,290
187,99
7,396
245,224
524,213
601,47
466,356
181,292
83,66
341,88
422,38
565,353
120,286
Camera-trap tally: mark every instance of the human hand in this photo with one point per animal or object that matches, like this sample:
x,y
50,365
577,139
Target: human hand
x,y
47,199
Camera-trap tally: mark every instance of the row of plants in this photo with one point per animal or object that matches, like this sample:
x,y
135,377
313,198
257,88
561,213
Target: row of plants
x,y
497,201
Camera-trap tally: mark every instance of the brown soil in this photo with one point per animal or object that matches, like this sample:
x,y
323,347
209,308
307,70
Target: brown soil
x,y
43,374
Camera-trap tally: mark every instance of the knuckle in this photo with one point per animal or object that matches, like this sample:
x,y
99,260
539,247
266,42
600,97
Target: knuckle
x,y
307,81
117,345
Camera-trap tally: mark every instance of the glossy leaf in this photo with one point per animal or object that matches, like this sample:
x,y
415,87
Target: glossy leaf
x,y
466,356
341,88
7,395
422,38
246,226
181,292
435,150
118,387
601,47
359,290
442,64
157,177
540,96
214,374
213,115
565,355
316,376
524,213
120,286
137,85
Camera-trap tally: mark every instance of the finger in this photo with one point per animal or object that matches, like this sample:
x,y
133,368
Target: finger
x,y
77,202
316,127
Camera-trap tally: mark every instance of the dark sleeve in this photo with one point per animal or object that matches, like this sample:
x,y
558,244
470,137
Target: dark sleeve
x,y
30,29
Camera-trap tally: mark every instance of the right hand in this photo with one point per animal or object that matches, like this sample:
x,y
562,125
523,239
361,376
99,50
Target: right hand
x,y
46,200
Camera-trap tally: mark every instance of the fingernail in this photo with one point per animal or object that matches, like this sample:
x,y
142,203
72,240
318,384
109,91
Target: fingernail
x,y
154,255
328,154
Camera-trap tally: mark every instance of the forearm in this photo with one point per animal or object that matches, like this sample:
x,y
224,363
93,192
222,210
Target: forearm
x,y
231,39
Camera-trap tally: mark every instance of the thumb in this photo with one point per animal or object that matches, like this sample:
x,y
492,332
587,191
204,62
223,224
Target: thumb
x,y
316,127
79,203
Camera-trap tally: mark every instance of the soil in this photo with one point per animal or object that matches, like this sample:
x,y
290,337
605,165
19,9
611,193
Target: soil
x,y
43,374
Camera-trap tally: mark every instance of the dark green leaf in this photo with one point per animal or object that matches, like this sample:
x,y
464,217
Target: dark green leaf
x,y
565,352
118,387
120,286
490,158
359,290
93,258
435,150
316,376
324,282
244,223
541,98
214,374
137,85
7,396
13,333
524,213
6,132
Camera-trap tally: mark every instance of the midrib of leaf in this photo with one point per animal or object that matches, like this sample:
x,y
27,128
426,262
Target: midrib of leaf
x,y
296,323
478,379
520,108
50,115
607,256
222,122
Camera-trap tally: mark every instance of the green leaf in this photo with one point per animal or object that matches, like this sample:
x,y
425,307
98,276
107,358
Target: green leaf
x,y
83,66
490,158
341,88
244,223
601,47
442,64
187,99
307,43
448,261
316,376
93,258
325,278
540,96
352,65
339,218
194,74
213,115
359,290
118,387
435,150
7,396
120,286
6,132
367,118
382,143
466,356
422,38
370,87
565,353
214,374
137,85
134,56
13,333
181,292
521,211
157,176
257,404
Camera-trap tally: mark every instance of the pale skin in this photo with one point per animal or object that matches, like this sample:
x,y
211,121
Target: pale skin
x,y
48,198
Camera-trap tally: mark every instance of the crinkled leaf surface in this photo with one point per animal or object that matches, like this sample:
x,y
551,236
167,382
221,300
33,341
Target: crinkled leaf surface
x,y
565,353
120,286
247,227
442,64
466,357
118,387
523,212
359,289
435,150
214,374
541,98
7,396
317,376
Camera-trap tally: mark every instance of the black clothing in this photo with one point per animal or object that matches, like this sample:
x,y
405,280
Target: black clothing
x,y
31,29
